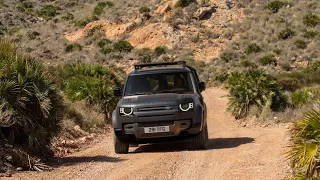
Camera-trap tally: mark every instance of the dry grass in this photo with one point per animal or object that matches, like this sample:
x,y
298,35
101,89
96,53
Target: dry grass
x,y
87,117
282,33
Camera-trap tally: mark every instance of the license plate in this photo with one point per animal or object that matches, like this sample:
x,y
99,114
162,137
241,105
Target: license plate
x,y
157,129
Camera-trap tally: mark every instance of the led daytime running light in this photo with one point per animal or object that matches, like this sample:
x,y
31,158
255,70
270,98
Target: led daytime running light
x,y
122,111
189,107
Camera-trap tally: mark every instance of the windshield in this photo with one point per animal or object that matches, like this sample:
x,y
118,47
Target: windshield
x,y
178,82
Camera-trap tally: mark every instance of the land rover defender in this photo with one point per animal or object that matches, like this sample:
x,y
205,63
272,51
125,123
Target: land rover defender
x,y
160,102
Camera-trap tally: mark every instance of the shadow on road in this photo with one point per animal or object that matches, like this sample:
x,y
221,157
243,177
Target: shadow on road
x,y
218,143
73,160
224,143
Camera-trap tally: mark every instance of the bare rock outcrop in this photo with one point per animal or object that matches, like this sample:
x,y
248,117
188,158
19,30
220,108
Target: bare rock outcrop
x,y
204,12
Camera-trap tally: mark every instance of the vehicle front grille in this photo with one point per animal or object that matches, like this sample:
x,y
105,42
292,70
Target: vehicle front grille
x,y
158,108
155,115
157,134
152,124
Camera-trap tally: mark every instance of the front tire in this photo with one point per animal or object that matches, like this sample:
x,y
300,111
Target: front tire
x,y
200,141
120,147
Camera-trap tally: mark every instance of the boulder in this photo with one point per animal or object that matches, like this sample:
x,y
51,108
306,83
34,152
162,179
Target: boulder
x,y
163,9
138,21
230,4
204,12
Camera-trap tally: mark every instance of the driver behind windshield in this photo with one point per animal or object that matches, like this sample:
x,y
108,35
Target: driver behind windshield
x,y
178,82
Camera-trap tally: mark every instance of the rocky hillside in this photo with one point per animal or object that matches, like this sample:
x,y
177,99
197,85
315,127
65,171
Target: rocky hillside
x,y
276,35
59,31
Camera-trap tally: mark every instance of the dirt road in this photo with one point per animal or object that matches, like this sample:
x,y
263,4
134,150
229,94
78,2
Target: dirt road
x,y
234,153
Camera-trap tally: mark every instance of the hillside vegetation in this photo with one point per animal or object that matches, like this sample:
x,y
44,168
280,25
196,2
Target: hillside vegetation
x,y
35,104
277,35
266,53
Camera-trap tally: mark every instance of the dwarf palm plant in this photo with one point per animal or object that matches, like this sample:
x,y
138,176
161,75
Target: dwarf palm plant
x,y
30,106
304,146
252,88
92,83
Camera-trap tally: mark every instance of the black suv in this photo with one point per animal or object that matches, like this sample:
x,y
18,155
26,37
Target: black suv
x,y
160,103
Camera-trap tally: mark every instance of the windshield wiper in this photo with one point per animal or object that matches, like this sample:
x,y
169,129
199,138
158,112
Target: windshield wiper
x,y
172,91
140,93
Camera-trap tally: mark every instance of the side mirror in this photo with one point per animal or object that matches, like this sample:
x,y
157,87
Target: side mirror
x,y
117,91
202,86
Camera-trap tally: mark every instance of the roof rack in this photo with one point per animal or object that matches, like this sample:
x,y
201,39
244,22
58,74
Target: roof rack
x,y
140,66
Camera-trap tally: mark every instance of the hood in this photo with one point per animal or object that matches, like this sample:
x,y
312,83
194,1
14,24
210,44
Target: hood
x,y
157,99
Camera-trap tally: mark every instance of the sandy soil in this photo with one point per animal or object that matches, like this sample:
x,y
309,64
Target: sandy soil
x,y
234,152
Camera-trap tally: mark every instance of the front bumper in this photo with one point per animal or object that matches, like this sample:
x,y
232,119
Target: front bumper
x,y
175,127
178,130
181,125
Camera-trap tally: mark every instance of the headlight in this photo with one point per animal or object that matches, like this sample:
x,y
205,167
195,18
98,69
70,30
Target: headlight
x,y
126,111
186,107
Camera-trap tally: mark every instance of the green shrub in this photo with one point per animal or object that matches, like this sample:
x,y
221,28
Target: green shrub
x,y
277,51
116,56
73,47
98,10
123,46
31,106
3,30
286,33
247,63
106,50
94,30
310,34
147,58
275,6
68,17
301,97
2,3
228,56
304,78
184,3
48,11
27,5
82,23
252,88
92,83
195,38
288,83
221,78
159,50
268,60
253,48
144,9
228,34
313,67
311,20
145,55
101,43
286,66
210,34
301,44
71,3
